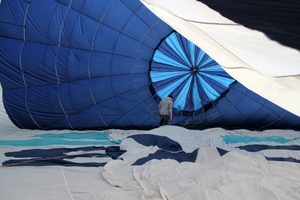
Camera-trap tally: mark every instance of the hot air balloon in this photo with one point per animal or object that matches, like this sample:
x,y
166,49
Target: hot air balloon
x,y
106,64
88,76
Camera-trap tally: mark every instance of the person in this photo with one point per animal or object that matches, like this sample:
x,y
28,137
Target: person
x,y
165,108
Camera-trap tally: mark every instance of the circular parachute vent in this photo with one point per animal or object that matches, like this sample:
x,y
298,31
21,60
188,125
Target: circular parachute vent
x,y
182,69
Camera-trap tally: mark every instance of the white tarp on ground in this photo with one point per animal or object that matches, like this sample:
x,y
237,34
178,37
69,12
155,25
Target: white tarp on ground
x,y
236,175
232,176
263,66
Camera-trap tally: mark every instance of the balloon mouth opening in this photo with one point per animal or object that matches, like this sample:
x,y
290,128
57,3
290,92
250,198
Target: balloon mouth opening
x,y
181,68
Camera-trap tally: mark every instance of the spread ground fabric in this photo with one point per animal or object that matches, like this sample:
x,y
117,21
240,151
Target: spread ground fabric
x,y
169,162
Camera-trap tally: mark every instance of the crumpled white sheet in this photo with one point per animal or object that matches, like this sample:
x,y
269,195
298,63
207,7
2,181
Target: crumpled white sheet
x,y
236,175
233,176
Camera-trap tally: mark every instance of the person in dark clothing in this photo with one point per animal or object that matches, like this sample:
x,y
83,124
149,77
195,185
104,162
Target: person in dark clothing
x,y
165,107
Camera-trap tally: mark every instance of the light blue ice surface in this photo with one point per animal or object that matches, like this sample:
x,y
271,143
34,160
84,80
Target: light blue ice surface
x,y
71,138
231,139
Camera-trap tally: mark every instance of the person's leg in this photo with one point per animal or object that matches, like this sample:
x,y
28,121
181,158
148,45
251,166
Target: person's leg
x,y
166,119
161,121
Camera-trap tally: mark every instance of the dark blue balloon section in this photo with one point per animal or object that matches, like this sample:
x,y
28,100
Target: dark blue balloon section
x,y
77,64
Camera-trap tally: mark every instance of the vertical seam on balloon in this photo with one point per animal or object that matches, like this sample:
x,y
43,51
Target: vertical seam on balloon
x,y
134,57
113,53
67,72
147,76
89,72
21,68
45,66
58,81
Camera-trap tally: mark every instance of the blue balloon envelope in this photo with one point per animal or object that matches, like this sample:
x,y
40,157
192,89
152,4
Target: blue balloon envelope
x,y
106,64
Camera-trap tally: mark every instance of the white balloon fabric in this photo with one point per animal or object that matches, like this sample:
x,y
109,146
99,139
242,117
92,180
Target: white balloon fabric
x,y
262,65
